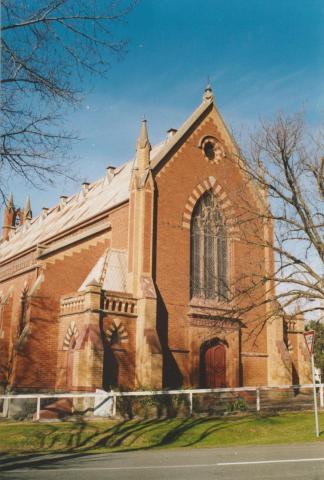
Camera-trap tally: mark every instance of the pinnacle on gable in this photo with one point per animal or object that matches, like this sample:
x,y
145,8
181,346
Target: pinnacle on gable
x,y
27,203
143,148
143,140
208,93
28,215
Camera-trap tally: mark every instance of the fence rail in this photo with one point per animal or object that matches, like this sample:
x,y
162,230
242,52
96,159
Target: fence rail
x,y
283,397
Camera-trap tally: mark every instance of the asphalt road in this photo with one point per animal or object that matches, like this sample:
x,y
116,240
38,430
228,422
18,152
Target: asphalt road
x,y
302,461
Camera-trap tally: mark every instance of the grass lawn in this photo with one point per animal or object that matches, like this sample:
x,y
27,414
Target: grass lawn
x,y
108,435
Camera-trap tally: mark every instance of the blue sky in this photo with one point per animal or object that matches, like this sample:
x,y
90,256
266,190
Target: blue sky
x,y
261,56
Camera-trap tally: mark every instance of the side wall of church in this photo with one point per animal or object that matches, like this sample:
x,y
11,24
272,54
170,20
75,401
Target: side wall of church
x,y
40,360
10,316
119,230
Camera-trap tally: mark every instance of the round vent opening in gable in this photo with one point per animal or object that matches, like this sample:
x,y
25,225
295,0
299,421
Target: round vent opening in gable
x,y
213,149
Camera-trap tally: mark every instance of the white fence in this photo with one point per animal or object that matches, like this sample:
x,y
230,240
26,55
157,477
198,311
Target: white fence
x,y
286,397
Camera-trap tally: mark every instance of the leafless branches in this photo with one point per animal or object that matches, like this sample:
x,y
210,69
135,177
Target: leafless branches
x,y
48,47
286,220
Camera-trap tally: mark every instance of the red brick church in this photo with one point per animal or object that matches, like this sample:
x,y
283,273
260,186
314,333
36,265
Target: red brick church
x,y
131,282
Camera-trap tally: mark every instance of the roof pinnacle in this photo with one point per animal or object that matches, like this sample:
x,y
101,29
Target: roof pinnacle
x,y
208,93
143,139
143,148
27,209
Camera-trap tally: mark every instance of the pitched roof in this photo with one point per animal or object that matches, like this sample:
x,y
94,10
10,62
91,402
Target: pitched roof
x,y
110,271
100,196
80,207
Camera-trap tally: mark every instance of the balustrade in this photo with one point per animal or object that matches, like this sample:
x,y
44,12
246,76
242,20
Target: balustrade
x,y
72,305
120,304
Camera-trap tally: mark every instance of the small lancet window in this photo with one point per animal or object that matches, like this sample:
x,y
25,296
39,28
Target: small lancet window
x,y
23,311
209,250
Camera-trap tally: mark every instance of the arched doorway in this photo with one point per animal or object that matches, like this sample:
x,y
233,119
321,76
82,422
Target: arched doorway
x,y
111,354
110,368
213,364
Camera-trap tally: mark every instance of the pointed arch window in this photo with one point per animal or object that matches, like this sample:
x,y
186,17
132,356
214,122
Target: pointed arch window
x,y
23,311
209,250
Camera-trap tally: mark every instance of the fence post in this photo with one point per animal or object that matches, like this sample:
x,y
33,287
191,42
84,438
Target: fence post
x,y
6,407
38,408
321,396
190,403
258,405
114,409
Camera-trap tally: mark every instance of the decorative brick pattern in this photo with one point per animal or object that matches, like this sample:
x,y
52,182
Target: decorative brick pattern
x,y
72,331
224,204
10,269
213,149
117,327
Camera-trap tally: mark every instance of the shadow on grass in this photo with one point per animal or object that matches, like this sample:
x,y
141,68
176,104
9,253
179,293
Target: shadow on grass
x,y
124,436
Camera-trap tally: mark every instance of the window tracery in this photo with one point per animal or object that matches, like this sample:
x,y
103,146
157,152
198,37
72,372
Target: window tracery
x,y
209,250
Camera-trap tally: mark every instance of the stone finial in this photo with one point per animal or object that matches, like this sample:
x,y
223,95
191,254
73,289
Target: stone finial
x,y
28,214
143,148
208,93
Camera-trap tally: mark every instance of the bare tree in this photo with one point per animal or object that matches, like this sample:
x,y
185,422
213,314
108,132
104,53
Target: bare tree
x,y
286,163
47,47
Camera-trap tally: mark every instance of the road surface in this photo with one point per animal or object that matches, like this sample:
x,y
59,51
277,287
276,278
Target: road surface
x,y
299,461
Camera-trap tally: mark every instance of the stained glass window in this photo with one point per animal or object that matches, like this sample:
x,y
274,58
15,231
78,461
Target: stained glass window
x,y
209,250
